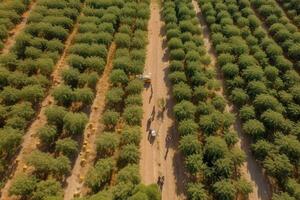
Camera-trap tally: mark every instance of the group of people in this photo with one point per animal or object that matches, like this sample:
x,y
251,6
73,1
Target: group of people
x,y
160,181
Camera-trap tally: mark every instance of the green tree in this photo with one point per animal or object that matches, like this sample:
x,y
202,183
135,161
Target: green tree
x,y
214,149
84,95
254,128
67,147
196,191
23,185
224,190
71,76
189,145
63,95
10,95
100,174
114,96
182,91
282,196
131,135
130,173
107,143
187,127
261,149
118,77
133,115
47,188
134,87
47,134
244,188
55,115
32,93
10,140
74,123
129,154
194,163
184,110
110,118
278,166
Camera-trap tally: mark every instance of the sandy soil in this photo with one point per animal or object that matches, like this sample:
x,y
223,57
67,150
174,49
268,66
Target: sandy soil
x,y
160,157
10,41
30,140
88,153
250,170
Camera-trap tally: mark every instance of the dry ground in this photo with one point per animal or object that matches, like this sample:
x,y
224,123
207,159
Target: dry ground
x,y
160,157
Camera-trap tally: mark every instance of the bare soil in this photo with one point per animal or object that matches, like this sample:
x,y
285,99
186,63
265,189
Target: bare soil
x,y
159,156
30,139
250,170
10,41
88,153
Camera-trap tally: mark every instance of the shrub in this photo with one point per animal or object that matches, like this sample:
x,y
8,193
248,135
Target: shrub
x,y
189,144
47,134
107,143
129,155
184,110
74,123
67,147
131,135
110,118
254,128
129,174
133,115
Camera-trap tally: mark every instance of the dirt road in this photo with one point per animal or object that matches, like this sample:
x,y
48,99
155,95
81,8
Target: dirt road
x,y
160,157
10,41
75,181
250,169
30,141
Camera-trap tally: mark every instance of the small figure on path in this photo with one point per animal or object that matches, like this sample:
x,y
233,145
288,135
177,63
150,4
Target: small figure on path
x,y
160,181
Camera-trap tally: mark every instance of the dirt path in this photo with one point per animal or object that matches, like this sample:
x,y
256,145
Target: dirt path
x,y
160,157
30,140
250,170
75,181
10,41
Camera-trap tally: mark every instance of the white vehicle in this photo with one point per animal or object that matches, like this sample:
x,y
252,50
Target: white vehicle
x,y
145,77
153,133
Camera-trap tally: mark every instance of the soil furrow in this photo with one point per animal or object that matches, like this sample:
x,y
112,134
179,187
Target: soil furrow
x,y
88,152
159,157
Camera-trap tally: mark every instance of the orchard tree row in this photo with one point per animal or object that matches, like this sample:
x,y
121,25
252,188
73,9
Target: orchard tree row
x,y
287,35
115,175
262,83
62,135
25,71
10,15
205,127
292,10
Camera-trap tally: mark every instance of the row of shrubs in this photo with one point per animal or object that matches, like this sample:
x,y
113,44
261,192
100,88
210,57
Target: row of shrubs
x,y
286,34
207,136
25,73
115,175
292,10
264,87
10,15
62,136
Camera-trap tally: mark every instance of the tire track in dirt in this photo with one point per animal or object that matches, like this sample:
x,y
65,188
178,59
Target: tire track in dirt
x,y
94,126
160,157
30,139
11,40
250,170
